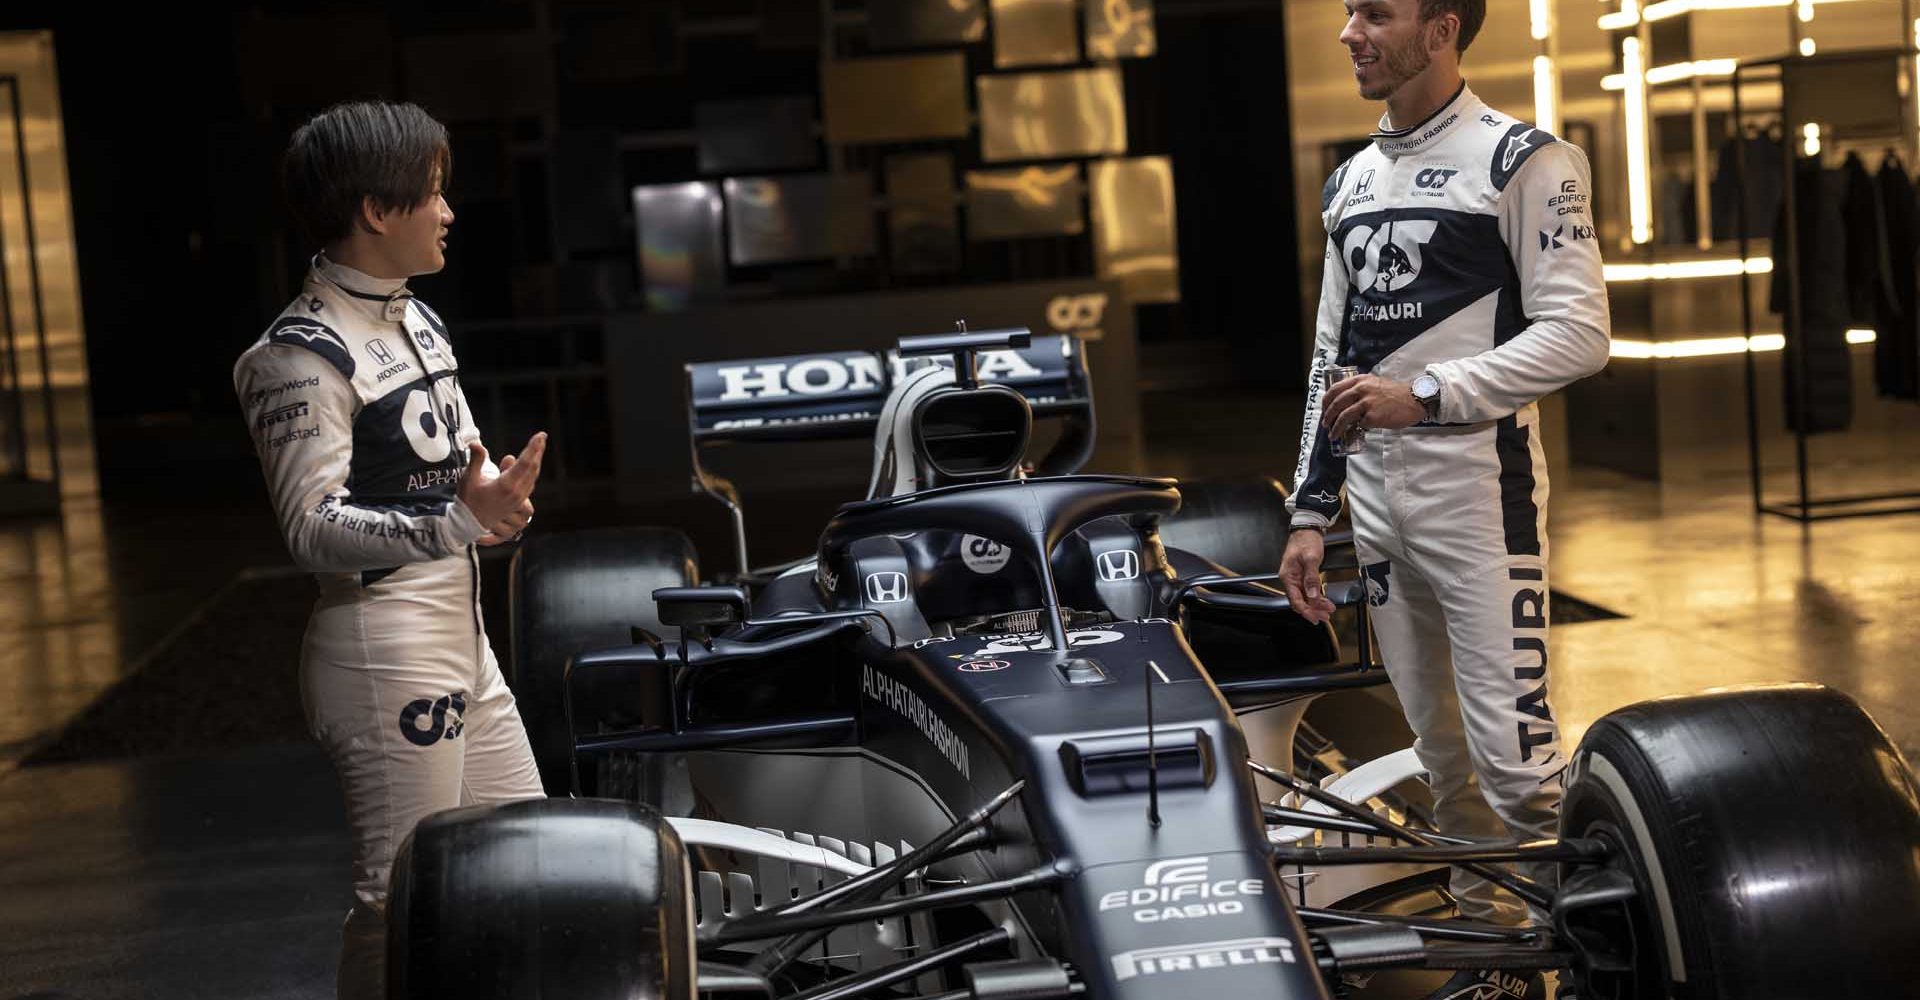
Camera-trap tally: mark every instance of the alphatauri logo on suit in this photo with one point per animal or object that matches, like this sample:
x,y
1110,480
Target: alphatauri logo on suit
x,y
1387,258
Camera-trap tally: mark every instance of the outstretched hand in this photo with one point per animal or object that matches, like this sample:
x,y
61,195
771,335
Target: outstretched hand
x,y
1300,575
502,503
526,507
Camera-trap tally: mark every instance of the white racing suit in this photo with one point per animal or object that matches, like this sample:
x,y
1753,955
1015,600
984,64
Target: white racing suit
x,y
1464,247
354,401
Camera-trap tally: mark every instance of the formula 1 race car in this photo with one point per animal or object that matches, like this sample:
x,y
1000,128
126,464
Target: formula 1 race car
x,y
1028,736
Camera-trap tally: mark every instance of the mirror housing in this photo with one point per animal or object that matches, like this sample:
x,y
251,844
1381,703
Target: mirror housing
x,y
701,607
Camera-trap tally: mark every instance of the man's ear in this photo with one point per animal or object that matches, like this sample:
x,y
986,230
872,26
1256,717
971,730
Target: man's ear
x,y
373,218
1443,33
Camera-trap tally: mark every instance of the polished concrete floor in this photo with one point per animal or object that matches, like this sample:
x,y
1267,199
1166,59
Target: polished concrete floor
x,y
223,874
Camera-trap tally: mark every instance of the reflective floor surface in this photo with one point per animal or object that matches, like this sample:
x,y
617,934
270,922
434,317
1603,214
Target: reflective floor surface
x,y
224,874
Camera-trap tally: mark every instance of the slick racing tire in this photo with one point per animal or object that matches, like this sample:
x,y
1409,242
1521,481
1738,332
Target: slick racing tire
x,y
1240,525
1766,845
576,592
545,898
1240,528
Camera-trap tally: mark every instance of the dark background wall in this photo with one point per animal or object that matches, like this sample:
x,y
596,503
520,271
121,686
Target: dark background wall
x,y
174,122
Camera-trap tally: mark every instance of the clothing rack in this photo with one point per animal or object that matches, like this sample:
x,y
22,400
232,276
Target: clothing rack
x,y
1806,508
21,492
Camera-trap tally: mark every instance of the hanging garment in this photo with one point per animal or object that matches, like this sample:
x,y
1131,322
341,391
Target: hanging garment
x,y
1868,280
1896,323
1820,333
1763,158
1675,222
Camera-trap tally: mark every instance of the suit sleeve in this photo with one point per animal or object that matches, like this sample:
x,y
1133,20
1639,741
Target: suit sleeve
x,y
469,431
1546,219
300,411
1319,477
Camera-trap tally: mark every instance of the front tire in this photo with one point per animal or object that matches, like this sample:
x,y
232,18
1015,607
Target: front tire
x,y
576,592
1767,845
546,898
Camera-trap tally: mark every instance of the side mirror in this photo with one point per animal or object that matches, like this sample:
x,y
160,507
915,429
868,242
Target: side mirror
x,y
701,606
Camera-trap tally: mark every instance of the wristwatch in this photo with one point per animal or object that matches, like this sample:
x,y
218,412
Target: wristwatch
x,y
1426,392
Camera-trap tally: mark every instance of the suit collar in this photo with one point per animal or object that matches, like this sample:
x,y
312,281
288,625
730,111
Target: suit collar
x,y
1428,131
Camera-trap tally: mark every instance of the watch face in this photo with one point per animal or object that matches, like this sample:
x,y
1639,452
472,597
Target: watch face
x,y
1426,387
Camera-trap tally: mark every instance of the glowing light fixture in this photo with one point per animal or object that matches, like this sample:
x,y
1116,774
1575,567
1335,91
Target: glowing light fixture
x,y
1674,71
1810,136
1674,8
1704,347
1699,67
1626,17
1680,269
1806,46
1639,192
1698,348
1546,110
1805,11
1541,14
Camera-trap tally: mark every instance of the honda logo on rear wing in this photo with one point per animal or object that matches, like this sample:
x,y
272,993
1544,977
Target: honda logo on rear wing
x,y
838,394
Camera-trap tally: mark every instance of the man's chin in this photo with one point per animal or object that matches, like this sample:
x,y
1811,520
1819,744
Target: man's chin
x,y
1377,92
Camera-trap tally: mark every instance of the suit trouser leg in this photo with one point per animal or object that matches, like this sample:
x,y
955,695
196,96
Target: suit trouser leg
x,y
407,744
1453,527
1409,622
499,763
1497,627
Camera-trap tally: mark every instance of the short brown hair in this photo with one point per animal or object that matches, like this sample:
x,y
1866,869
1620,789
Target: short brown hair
x,y
367,149
1472,14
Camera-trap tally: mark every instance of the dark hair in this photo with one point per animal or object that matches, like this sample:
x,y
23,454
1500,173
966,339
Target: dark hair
x,y
367,149
1472,14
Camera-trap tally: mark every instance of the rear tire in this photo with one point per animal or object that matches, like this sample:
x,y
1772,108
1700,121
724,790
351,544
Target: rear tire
x,y
1771,837
1241,525
546,898
576,592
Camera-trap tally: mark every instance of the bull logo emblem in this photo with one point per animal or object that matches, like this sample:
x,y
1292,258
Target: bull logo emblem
x,y
1375,575
1394,264
1387,258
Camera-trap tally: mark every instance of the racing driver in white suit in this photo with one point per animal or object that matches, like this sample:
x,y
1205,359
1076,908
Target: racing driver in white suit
x,y
382,489
1463,280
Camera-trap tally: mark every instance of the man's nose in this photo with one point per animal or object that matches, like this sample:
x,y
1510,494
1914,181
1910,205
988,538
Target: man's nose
x,y
1350,32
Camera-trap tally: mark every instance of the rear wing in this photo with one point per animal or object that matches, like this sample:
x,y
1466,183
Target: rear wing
x,y
838,395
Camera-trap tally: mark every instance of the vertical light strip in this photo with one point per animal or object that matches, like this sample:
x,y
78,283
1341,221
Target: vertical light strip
x,y
1916,68
1639,195
1811,134
1546,110
1546,80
